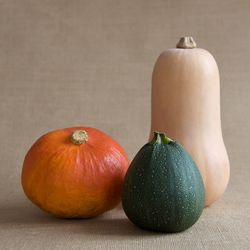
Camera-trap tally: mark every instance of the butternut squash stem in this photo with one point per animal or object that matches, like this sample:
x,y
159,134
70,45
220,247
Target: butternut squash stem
x,y
186,42
79,137
160,138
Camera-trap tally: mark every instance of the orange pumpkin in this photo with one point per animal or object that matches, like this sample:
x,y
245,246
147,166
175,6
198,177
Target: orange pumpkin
x,y
74,172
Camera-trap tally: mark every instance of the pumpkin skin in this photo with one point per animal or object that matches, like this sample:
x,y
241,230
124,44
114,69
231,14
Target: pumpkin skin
x,y
186,105
73,180
163,189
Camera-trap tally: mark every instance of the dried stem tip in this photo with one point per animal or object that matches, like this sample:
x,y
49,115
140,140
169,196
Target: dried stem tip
x,y
186,42
79,137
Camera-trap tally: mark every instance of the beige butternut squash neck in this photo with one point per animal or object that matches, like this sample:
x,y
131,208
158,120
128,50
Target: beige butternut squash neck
x,y
186,42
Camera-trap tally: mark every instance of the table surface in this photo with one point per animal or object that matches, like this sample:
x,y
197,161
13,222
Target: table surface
x,y
70,63
225,225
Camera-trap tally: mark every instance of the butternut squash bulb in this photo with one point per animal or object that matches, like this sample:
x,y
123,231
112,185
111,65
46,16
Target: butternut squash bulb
x,y
186,106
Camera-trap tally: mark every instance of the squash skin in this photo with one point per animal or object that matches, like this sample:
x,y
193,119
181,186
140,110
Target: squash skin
x,y
163,189
74,181
186,105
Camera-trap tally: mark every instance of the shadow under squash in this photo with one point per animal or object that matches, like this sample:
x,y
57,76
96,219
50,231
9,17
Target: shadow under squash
x,y
111,223
114,226
22,213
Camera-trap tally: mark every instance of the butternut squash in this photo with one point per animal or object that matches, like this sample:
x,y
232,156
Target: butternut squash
x,y
186,106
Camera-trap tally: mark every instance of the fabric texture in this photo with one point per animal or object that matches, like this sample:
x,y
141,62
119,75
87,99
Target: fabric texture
x,y
69,63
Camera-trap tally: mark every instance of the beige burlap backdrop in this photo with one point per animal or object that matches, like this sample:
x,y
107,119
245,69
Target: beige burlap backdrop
x,y
66,63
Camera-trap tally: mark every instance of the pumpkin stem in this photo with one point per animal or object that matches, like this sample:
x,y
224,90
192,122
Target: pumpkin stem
x,y
186,42
160,138
79,137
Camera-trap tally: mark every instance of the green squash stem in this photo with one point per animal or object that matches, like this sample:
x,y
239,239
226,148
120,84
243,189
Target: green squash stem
x,y
160,138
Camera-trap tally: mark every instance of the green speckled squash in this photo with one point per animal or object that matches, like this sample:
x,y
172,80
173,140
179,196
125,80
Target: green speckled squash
x,y
163,189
